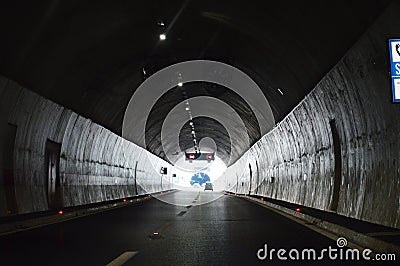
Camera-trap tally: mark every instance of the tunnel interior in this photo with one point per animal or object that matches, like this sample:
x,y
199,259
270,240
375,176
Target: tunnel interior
x,y
300,108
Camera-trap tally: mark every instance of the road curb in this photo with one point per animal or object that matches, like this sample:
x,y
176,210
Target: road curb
x,y
18,226
359,239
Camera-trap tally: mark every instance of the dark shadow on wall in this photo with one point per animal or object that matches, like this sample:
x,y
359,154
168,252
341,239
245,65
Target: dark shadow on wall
x,y
52,168
338,166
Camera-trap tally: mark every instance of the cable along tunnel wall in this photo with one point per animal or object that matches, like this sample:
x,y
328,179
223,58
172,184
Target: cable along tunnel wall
x,y
296,160
61,159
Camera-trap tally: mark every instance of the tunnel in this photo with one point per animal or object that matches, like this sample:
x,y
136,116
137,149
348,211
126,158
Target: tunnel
x,y
199,132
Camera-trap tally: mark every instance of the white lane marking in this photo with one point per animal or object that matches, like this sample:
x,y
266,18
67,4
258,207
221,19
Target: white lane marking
x,y
121,259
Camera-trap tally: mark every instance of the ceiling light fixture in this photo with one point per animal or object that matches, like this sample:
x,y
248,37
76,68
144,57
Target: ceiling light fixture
x,y
163,37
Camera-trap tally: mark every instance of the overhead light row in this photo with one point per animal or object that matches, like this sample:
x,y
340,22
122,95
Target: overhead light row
x,y
187,109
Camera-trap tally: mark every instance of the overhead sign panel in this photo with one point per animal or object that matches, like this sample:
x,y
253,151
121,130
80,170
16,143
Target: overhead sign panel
x,y
200,156
394,48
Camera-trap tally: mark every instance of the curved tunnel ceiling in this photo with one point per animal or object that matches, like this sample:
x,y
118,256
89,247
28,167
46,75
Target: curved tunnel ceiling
x,y
205,126
142,127
92,56
211,128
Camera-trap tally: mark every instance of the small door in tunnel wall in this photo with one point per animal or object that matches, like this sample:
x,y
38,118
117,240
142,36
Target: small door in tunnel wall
x,y
7,165
136,184
338,166
52,165
258,178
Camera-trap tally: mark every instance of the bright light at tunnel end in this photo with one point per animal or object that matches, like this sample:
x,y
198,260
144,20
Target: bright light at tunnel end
x,y
185,171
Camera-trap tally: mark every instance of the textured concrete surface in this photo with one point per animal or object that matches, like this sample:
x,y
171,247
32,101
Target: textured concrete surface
x,y
95,164
295,161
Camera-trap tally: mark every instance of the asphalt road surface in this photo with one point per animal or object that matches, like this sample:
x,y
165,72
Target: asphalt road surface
x,y
225,230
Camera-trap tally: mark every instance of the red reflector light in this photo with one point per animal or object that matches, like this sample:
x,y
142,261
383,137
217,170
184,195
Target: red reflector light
x,y
191,156
60,212
262,199
8,212
124,200
298,209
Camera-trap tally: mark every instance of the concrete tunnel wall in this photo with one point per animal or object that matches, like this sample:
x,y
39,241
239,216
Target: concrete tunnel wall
x,y
95,164
295,161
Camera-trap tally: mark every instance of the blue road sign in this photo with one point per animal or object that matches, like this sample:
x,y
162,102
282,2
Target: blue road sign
x,y
394,48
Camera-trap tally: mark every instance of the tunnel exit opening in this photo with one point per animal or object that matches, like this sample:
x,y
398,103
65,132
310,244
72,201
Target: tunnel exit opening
x,y
187,173
52,165
338,166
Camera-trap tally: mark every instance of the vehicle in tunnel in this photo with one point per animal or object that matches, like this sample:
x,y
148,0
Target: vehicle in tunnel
x,y
208,186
